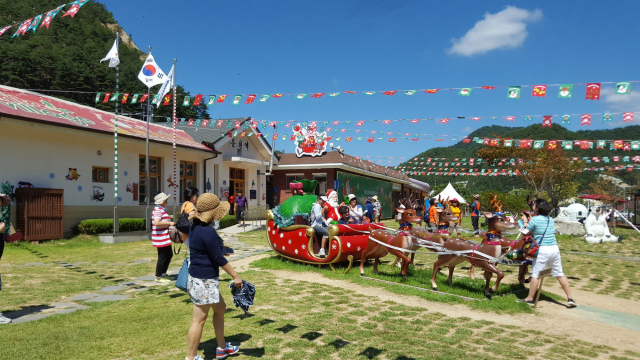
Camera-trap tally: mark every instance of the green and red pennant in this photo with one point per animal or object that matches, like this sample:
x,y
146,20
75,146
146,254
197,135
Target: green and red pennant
x,y
546,120
76,5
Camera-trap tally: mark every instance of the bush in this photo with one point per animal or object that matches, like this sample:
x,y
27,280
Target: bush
x,y
227,221
103,226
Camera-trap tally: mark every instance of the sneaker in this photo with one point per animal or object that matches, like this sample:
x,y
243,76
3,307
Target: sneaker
x,y
322,254
571,303
197,357
229,350
4,319
161,280
526,302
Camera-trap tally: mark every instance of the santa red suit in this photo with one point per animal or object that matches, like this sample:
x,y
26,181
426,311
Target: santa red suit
x,y
331,207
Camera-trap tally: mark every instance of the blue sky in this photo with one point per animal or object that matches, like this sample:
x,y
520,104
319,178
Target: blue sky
x,y
266,47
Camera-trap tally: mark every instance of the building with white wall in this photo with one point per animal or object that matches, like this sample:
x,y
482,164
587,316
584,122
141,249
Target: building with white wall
x,y
51,143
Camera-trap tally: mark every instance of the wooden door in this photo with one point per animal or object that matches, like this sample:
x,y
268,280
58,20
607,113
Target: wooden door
x,y
40,213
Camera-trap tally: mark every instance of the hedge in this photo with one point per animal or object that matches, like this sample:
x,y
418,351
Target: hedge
x,y
103,226
227,221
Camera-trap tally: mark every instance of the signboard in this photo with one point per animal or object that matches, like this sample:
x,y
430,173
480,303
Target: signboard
x,y
396,187
363,187
253,194
309,141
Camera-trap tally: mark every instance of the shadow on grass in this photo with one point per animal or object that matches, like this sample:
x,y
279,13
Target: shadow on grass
x,y
370,352
27,310
287,328
209,347
311,335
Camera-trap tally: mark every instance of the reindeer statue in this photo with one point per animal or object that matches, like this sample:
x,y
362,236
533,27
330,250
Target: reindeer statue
x,y
403,240
445,216
480,255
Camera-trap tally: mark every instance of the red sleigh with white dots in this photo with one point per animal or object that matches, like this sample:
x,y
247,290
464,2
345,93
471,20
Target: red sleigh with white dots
x,y
297,242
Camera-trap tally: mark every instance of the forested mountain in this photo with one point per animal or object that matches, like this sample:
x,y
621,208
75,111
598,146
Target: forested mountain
x,y
67,56
533,132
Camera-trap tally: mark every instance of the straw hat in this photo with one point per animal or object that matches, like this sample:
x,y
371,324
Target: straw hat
x,y
160,198
210,208
375,198
476,196
5,200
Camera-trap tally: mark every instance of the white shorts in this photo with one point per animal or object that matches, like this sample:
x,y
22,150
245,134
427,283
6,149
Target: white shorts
x,y
548,257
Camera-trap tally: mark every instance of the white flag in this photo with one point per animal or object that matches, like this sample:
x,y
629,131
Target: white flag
x,y
169,84
151,74
112,56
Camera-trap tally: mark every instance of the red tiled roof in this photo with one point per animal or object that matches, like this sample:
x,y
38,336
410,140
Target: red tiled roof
x,y
37,107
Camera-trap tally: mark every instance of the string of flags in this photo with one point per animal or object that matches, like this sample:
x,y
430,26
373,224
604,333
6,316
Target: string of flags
x,y
508,172
625,145
547,120
43,19
471,162
565,91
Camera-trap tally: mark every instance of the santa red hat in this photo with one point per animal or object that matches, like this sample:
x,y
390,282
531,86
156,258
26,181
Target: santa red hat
x,y
331,192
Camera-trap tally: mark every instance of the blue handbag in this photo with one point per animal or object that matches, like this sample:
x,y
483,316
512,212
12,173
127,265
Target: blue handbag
x,y
183,275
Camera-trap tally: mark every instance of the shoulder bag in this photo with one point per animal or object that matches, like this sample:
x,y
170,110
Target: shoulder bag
x,y
184,224
183,275
531,247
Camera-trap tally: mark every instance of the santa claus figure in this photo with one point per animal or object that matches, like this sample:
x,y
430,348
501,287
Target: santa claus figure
x,y
331,206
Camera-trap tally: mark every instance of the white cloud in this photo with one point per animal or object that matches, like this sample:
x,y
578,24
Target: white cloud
x,y
467,130
503,30
620,103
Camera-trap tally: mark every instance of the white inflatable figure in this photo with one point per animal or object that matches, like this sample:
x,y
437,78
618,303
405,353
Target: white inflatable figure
x,y
566,224
597,228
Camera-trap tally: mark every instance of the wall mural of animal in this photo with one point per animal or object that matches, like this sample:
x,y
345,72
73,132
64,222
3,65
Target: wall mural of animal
x,y
171,183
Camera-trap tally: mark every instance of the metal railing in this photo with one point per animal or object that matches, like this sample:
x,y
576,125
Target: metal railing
x,y
255,213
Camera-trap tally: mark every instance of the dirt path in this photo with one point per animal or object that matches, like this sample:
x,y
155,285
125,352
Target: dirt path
x,y
552,318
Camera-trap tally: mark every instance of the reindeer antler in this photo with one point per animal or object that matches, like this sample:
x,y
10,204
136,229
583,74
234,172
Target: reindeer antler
x,y
495,203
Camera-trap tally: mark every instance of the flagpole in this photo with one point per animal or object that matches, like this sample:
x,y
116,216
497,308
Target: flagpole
x,y
148,180
175,184
116,220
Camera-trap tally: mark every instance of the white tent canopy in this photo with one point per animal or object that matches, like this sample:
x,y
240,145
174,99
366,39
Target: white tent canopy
x,y
450,192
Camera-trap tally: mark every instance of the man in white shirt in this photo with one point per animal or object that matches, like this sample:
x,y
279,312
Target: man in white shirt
x,y
320,224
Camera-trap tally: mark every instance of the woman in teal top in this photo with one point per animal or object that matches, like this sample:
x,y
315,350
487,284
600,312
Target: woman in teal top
x,y
543,230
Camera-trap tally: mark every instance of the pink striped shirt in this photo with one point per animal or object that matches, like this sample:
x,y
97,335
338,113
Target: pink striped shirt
x,y
160,235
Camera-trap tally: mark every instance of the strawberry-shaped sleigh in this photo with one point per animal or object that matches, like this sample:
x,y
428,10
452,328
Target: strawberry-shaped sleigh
x,y
290,236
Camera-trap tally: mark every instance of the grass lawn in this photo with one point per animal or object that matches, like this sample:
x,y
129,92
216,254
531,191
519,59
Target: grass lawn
x,y
291,320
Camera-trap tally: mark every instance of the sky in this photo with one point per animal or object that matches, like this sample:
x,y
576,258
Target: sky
x,y
266,47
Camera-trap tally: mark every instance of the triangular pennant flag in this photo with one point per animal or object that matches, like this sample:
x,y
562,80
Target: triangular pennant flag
x,y
317,95
628,116
112,55
370,92
75,6
98,97
4,29
390,92
237,99
509,118
23,28
50,15
156,99
134,100
34,23
115,97
299,96
410,92
144,98
334,94
125,97
264,98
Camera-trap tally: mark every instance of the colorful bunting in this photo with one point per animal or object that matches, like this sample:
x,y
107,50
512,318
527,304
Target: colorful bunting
x,y
221,98
370,92
539,91
34,23
528,118
198,100
50,15
4,29
465,91
623,88
391,92
124,98
607,117
301,96
585,119
264,98
76,5
444,120
317,95
98,97
250,99
593,91
509,118
237,99
23,28
187,101
212,100
628,116
431,91
410,92
565,91
487,87
514,92
144,98
135,99
546,120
